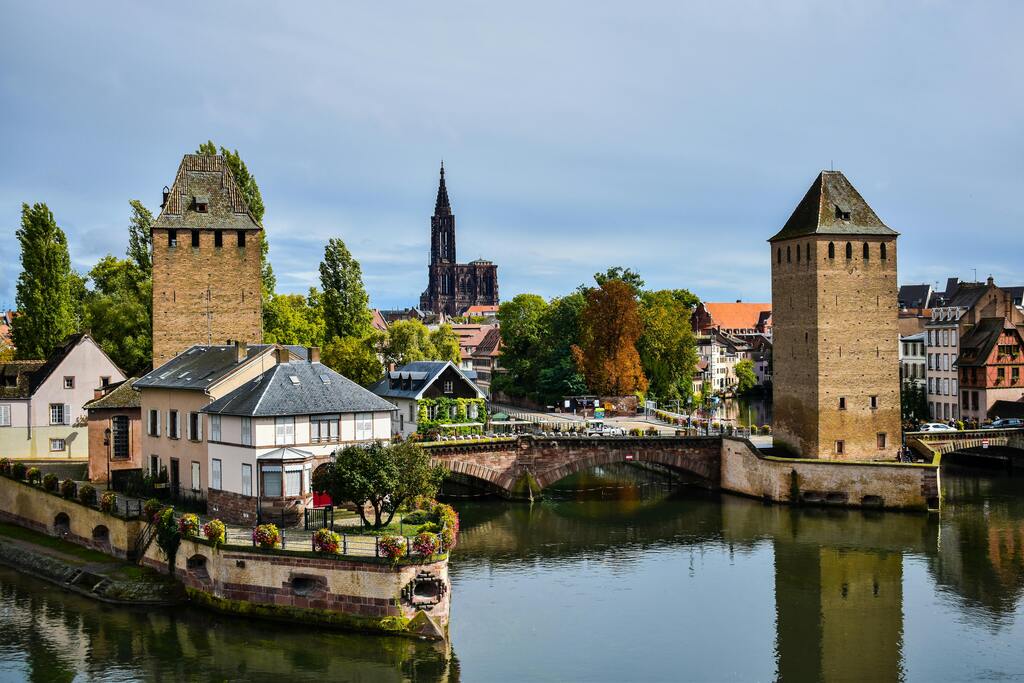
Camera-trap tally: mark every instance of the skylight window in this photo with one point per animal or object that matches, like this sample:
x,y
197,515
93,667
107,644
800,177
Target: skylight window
x,y
294,379
326,379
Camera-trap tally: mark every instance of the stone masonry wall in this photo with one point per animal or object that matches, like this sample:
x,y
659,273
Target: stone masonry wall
x,y
233,508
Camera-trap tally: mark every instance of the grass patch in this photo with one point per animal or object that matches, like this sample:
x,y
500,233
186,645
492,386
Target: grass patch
x,y
42,540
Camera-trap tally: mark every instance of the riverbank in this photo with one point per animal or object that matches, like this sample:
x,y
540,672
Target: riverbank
x,y
84,571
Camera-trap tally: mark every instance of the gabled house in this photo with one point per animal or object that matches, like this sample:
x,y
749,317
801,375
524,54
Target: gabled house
x,y
433,395
266,437
41,402
990,366
115,431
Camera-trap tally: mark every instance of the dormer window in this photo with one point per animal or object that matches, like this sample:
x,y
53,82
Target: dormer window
x,y
201,203
842,215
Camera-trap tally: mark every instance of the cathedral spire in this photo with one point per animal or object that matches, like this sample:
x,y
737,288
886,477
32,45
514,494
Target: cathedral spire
x,y
443,207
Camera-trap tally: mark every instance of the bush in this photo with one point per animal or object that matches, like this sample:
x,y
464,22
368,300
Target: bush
x,y
107,501
426,544
448,518
33,475
753,429
767,429
18,470
429,528
266,535
391,547
5,466
416,517
151,508
326,541
215,531
68,489
188,525
87,494
50,482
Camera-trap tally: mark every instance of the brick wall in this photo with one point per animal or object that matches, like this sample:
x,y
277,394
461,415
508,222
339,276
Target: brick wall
x,y
233,508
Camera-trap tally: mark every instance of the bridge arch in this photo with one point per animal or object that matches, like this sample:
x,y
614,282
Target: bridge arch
x,y
546,478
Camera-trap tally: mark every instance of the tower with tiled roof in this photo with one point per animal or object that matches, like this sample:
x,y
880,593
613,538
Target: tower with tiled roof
x,y
453,287
206,262
836,384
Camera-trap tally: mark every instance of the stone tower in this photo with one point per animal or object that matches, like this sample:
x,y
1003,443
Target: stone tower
x,y
206,262
836,388
453,287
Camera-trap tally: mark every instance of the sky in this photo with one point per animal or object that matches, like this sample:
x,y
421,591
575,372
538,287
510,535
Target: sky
x,y
672,138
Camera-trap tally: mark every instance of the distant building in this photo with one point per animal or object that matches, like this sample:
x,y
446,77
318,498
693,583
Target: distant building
x,y
834,304
379,322
739,319
41,402
718,354
489,311
453,287
912,358
409,385
990,367
115,431
206,262
6,323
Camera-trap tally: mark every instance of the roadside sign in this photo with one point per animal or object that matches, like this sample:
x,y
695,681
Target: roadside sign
x,y
984,443
598,413
629,457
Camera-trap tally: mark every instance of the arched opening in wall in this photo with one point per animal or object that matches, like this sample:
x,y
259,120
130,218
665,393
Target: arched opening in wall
x,y
831,250
308,585
849,250
101,535
778,255
196,566
882,250
867,251
789,256
807,252
61,524
798,253
425,590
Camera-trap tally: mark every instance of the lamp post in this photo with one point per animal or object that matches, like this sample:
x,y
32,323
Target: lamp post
x,y
106,442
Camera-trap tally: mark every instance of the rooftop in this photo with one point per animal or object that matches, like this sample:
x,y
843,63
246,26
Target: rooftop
x,y
120,395
199,367
415,378
205,180
832,206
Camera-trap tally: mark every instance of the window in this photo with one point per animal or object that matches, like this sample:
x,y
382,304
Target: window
x,y
881,249
246,479
272,481
5,414
241,238
202,204
119,436
472,411
153,428
974,400
218,238
807,253
874,402
867,251
880,440
364,426
246,431
104,381
215,473
831,250
56,445
59,414
172,424
842,403
196,484
323,428
293,482
952,337
195,427
1014,375
172,238
778,255
849,250
412,413
1000,375
195,239
789,255
154,465
284,431
448,387
215,428
69,382
839,447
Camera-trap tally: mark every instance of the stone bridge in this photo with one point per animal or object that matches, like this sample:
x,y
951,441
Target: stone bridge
x,y
1008,442
523,467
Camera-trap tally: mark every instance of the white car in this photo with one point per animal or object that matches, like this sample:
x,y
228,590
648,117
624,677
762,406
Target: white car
x,y
935,427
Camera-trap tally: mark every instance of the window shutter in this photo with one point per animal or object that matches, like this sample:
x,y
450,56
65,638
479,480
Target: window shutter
x,y
158,423
199,426
170,432
67,413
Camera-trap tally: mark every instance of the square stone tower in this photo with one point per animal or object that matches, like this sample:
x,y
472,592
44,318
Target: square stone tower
x,y
836,386
206,262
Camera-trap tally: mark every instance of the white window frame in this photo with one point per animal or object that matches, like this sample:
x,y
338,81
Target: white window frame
x,y
197,472
69,382
276,471
246,479
364,426
5,414
246,431
60,417
216,474
215,428
61,443
284,431
291,474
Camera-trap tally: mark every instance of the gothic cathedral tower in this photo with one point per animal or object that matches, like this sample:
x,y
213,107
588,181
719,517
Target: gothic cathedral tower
x,y
836,387
206,262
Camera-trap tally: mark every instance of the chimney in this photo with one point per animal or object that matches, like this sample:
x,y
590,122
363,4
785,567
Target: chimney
x,y
241,351
281,355
991,281
313,354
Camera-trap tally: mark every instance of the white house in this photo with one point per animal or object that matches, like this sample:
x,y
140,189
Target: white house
x,y
425,384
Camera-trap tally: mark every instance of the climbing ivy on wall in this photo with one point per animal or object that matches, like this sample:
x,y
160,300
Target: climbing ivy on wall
x,y
443,409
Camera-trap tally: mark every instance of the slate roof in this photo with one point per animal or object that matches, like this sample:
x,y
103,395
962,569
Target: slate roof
x,y
198,367
421,374
976,345
205,177
315,390
966,295
121,395
832,206
31,374
915,296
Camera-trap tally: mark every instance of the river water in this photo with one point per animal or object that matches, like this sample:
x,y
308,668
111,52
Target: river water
x,y
626,581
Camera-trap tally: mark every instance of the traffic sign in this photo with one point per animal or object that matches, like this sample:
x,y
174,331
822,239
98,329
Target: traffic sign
x,y
984,443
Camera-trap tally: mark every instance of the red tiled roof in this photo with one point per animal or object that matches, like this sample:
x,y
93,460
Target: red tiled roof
x,y
736,316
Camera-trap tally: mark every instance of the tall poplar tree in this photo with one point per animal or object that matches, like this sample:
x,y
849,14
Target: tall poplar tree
x,y
44,291
346,306
140,237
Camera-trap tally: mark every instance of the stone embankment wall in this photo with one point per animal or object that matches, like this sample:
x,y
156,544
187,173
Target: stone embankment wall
x,y
819,482
360,593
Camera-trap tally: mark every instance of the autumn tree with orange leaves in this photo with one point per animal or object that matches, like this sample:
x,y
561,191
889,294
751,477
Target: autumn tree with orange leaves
x,y
610,327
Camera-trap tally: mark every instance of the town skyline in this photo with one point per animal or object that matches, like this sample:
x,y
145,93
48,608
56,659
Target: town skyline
x,y
572,183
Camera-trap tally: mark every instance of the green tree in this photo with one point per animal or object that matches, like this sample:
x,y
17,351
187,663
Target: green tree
x,y
355,358
626,275
140,237
559,375
407,341
118,312
345,303
667,347
44,289
745,377
913,400
522,338
609,331
383,476
445,344
294,319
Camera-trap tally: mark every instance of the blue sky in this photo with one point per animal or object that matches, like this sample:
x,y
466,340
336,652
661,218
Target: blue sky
x,y
673,138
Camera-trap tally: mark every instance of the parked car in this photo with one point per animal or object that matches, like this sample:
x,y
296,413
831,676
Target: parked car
x,y
1005,423
935,427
